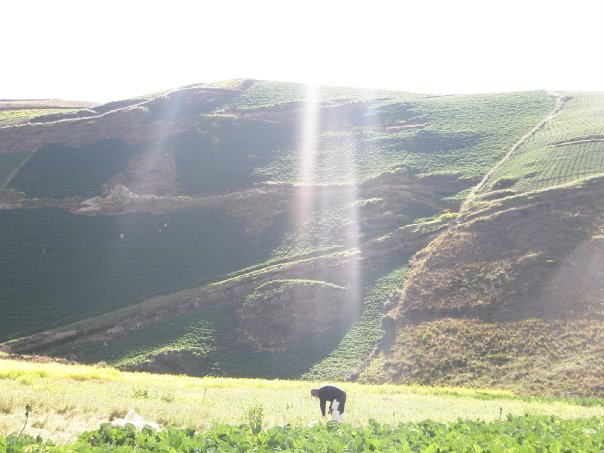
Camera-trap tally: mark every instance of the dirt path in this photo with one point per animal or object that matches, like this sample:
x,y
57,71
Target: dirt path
x,y
480,187
576,142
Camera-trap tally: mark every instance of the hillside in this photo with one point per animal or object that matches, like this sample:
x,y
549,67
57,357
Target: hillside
x,y
254,228
511,295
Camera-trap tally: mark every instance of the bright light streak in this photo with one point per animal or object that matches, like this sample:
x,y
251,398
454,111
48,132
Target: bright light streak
x,y
310,136
305,192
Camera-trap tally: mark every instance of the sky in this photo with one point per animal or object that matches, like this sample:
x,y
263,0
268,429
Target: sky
x,y
106,50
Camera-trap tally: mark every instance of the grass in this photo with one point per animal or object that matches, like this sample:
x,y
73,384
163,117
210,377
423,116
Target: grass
x,y
59,171
204,341
529,356
208,340
363,335
9,117
500,299
8,163
263,94
68,399
277,287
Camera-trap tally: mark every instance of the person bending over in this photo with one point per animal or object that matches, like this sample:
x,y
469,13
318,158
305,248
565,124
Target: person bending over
x,y
330,393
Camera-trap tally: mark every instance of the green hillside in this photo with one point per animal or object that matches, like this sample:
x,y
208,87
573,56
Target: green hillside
x,y
569,147
66,267
267,229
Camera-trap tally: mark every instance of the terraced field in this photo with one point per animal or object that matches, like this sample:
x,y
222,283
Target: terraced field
x,y
567,148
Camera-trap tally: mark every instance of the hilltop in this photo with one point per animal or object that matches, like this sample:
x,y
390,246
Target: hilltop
x,y
255,228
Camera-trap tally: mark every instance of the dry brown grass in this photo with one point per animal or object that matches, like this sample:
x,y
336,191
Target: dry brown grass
x,y
509,297
530,357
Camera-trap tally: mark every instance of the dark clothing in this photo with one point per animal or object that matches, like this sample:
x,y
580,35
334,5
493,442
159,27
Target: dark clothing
x,y
331,393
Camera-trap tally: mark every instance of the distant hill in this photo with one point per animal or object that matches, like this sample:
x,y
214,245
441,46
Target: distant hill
x,y
19,111
256,228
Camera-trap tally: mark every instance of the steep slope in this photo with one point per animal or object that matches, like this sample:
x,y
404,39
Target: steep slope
x,y
511,295
160,233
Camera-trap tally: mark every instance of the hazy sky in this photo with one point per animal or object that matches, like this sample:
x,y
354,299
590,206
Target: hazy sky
x,y
112,49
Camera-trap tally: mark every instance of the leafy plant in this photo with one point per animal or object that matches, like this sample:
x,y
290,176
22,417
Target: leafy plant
x,y
255,417
524,433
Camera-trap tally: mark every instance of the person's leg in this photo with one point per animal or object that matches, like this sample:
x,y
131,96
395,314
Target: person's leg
x,y
335,413
342,404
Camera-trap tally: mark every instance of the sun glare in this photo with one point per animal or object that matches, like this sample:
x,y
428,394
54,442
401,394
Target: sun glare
x,y
315,191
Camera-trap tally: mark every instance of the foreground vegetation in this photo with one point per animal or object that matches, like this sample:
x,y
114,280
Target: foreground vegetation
x,y
69,399
517,434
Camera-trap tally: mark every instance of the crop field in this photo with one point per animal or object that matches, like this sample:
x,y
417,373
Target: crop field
x,y
205,341
59,171
568,148
514,434
362,336
65,267
69,399
227,158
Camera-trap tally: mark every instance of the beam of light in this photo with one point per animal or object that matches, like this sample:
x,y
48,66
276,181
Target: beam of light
x,y
347,155
304,195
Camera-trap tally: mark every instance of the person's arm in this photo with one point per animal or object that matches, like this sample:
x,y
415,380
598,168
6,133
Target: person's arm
x,y
323,406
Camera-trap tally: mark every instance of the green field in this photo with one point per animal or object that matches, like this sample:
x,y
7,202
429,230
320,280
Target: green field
x,y
514,434
66,267
263,93
567,148
59,171
69,399
359,135
461,135
9,163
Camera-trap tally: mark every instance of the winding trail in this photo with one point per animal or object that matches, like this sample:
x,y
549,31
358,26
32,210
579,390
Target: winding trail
x,y
560,101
